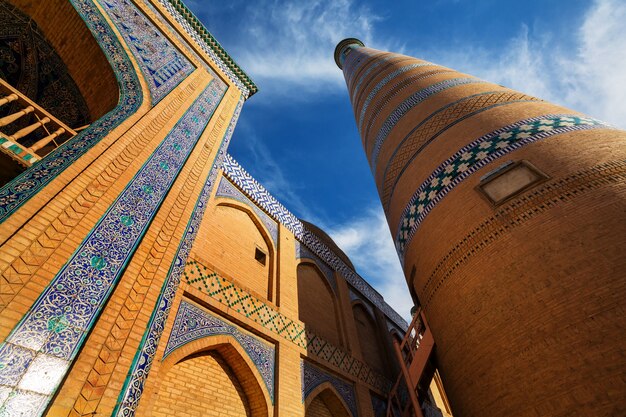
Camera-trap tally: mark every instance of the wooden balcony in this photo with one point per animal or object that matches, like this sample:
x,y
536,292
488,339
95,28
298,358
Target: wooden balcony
x,y
41,124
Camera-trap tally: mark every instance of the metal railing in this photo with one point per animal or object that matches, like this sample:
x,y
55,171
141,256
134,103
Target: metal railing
x,y
41,123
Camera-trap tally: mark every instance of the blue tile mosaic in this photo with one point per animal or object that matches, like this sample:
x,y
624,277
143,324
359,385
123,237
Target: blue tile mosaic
x,y
259,195
476,155
163,66
24,186
140,368
312,377
408,104
383,83
192,323
228,190
60,319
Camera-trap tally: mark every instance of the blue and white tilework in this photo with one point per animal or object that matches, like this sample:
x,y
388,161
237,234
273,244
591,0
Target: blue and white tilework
x,y
228,190
313,377
140,368
302,252
383,83
192,323
162,64
258,194
54,328
400,111
28,183
180,19
476,155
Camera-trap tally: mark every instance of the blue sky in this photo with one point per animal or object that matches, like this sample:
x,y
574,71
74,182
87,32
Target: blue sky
x,y
297,136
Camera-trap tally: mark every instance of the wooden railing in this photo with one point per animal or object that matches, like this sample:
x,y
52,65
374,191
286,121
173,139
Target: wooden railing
x,y
413,354
55,132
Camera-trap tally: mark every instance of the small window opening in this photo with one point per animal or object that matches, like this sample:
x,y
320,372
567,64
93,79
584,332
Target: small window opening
x,y
260,256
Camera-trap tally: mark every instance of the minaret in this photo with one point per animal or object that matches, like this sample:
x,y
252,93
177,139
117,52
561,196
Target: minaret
x,y
509,217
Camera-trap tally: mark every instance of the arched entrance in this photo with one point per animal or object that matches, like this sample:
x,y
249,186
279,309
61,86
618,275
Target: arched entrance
x,y
325,402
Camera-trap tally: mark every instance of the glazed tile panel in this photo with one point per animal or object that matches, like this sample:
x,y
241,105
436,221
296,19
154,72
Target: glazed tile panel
x,y
162,64
28,183
433,126
257,193
48,337
416,98
313,377
476,155
140,368
193,323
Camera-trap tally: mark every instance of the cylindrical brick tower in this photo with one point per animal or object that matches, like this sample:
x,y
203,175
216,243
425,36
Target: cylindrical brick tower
x,y
509,216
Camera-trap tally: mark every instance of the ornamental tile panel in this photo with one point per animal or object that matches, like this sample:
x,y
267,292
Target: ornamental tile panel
x,y
57,324
313,377
476,155
163,66
24,186
408,104
135,382
192,323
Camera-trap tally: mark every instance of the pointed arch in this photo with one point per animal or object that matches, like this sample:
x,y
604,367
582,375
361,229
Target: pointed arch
x,y
318,307
324,400
369,337
225,352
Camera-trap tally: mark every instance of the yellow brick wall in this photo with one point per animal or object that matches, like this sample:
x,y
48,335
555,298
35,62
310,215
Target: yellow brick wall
x,y
201,385
318,408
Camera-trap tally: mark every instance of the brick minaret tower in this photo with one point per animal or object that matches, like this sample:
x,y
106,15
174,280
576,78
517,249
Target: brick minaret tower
x,y
509,216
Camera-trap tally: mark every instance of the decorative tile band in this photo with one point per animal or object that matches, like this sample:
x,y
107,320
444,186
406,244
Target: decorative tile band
x,y
258,194
192,323
377,63
209,45
515,213
313,377
303,252
415,99
54,329
401,85
433,126
352,64
242,302
140,368
27,184
228,190
163,66
476,155
389,77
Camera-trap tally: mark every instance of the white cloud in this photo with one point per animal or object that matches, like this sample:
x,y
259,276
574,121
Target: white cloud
x,y
588,76
367,242
292,45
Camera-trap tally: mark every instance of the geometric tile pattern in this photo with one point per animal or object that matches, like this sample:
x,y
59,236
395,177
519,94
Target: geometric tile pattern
x,y
474,156
395,89
140,368
28,183
260,196
192,323
227,189
515,213
375,65
312,377
352,66
53,330
403,108
161,63
302,252
384,82
434,125
194,28
256,309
